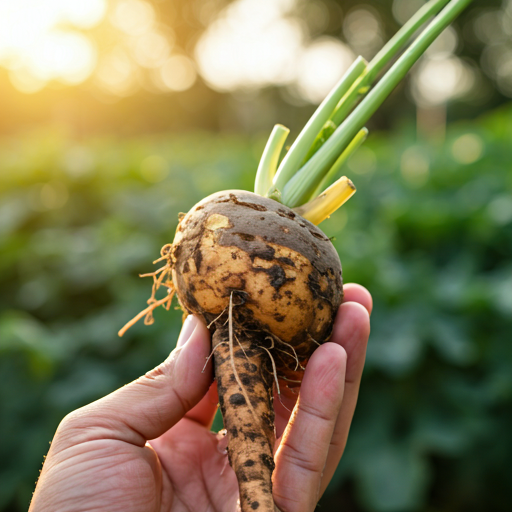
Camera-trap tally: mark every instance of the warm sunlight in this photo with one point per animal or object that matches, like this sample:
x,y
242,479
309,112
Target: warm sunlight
x,y
41,41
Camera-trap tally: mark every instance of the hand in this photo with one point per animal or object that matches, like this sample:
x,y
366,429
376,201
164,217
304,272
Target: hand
x,y
147,447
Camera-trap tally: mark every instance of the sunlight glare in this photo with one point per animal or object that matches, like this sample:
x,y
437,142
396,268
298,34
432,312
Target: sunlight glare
x,y
134,17
35,46
178,73
116,73
439,80
151,50
251,44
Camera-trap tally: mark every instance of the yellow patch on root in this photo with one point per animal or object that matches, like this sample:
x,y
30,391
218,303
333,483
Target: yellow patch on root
x,y
217,221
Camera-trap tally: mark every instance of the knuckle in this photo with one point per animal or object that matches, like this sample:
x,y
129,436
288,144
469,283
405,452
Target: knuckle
x,y
315,412
300,459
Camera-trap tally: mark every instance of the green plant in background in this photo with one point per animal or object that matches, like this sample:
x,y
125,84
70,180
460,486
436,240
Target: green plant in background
x,y
429,233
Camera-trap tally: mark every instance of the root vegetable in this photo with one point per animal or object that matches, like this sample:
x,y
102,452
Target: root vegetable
x,y
268,282
264,278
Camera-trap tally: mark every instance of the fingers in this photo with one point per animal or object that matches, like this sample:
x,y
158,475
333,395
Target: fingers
x,y
284,403
351,331
301,456
353,292
151,405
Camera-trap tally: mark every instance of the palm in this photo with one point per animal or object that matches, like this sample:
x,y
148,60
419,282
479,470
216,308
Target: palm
x,y
195,471
195,474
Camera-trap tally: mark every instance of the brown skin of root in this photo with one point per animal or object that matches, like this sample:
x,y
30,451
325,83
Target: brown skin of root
x,y
284,273
248,415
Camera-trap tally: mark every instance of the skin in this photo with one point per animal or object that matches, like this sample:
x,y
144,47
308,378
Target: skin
x,y
101,458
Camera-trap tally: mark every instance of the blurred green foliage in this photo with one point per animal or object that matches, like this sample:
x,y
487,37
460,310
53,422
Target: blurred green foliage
x,y
429,233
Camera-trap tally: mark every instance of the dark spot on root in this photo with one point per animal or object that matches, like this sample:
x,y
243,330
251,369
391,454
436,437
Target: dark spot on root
x,y
286,261
249,463
255,505
262,218
286,213
237,399
279,318
266,254
233,255
254,206
233,432
313,284
198,258
246,237
277,276
253,436
247,380
268,419
267,461
250,367
200,207
320,236
239,296
176,251
186,268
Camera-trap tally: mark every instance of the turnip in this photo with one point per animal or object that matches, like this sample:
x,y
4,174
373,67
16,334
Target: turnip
x,y
265,279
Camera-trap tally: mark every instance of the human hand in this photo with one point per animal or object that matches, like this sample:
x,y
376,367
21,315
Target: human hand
x,y
147,447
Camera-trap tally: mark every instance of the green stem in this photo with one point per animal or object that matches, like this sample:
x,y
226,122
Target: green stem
x,y
327,130
408,29
293,159
268,164
334,171
388,52
296,190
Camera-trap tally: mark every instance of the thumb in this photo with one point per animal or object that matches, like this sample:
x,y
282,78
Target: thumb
x,y
149,406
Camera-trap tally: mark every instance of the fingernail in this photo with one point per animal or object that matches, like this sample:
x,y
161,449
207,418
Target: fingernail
x,y
186,331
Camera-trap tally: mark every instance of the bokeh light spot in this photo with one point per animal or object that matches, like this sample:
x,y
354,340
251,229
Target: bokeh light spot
x,y
467,148
438,80
414,166
178,73
49,196
363,161
134,17
500,209
151,50
252,43
363,31
36,48
321,65
116,73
